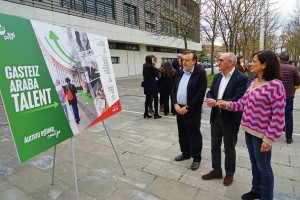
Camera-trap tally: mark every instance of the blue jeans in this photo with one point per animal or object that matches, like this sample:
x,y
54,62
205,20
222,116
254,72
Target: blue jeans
x,y
75,110
262,173
289,118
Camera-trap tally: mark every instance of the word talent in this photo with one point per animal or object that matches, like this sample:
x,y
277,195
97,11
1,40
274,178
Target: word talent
x,y
24,87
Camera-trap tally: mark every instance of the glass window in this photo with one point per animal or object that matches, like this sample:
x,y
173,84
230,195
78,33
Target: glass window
x,y
115,60
102,8
130,14
149,26
105,8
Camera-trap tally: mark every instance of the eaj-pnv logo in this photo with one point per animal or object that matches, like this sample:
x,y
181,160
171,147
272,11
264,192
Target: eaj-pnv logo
x,y
8,36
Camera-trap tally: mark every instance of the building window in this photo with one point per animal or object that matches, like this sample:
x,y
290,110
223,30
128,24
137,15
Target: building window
x,y
161,49
130,14
105,8
102,8
150,26
115,60
149,15
123,46
168,27
167,59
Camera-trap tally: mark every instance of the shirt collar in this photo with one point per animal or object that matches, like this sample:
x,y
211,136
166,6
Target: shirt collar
x,y
229,74
188,73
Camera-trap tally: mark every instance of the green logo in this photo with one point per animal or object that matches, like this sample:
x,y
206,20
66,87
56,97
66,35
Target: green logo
x,y
8,36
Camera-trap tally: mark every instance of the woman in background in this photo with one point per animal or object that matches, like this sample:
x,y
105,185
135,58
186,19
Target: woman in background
x,y
166,82
240,65
150,73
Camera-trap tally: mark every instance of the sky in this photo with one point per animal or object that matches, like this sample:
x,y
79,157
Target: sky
x,y
285,7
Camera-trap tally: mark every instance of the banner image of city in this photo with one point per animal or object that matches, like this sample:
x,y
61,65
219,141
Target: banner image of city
x,y
55,82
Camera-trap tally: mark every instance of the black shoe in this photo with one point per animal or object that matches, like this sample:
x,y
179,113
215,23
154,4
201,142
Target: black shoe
x,y
77,121
289,141
182,157
195,165
147,116
250,196
157,116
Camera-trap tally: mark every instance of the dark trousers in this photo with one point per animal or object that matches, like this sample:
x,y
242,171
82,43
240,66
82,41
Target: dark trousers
x,y
289,118
190,138
166,103
75,110
148,101
230,139
262,173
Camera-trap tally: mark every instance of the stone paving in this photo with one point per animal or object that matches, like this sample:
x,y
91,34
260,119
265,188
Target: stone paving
x,y
146,148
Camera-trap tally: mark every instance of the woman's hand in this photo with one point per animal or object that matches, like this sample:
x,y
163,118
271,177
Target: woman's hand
x,y
265,147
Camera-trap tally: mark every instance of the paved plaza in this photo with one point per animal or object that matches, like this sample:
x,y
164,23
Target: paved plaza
x,y
146,148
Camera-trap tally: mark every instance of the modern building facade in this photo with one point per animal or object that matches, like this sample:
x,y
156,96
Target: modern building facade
x,y
134,28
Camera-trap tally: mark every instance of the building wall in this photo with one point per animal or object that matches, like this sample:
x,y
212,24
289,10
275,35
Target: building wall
x,y
130,61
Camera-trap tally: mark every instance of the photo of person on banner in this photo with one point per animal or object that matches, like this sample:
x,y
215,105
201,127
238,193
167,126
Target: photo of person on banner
x,y
100,102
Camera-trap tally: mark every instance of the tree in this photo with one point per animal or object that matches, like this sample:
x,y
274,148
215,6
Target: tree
x,y
177,18
291,35
209,26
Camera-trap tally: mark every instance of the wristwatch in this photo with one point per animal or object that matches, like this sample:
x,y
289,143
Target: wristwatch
x,y
187,107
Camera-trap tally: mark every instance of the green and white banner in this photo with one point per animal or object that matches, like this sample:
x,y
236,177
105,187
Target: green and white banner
x,y
35,60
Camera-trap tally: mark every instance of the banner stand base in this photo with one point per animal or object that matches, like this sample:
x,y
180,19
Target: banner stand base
x,y
74,168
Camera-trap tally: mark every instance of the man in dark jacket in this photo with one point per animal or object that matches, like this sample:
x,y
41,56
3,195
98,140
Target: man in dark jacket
x,y
73,102
230,85
187,94
290,79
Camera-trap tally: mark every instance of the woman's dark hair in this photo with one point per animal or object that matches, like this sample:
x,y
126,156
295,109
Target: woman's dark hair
x,y
167,69
238,62
238,65
272,69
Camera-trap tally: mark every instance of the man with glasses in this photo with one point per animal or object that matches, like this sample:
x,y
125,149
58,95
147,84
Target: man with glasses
x,y
229,85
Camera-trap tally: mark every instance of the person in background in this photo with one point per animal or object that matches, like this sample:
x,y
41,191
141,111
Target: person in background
x,y
291,62
290,79
229,85
263,106
177,63
150,73
166,82
187,94
251,76
73,102
62,96
240,65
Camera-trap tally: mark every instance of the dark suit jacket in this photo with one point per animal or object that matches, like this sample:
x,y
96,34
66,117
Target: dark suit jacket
x,y
234,90
195,90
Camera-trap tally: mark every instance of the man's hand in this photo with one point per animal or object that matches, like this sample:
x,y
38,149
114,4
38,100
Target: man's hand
x,y
178,109
211,102
184,110
221,104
